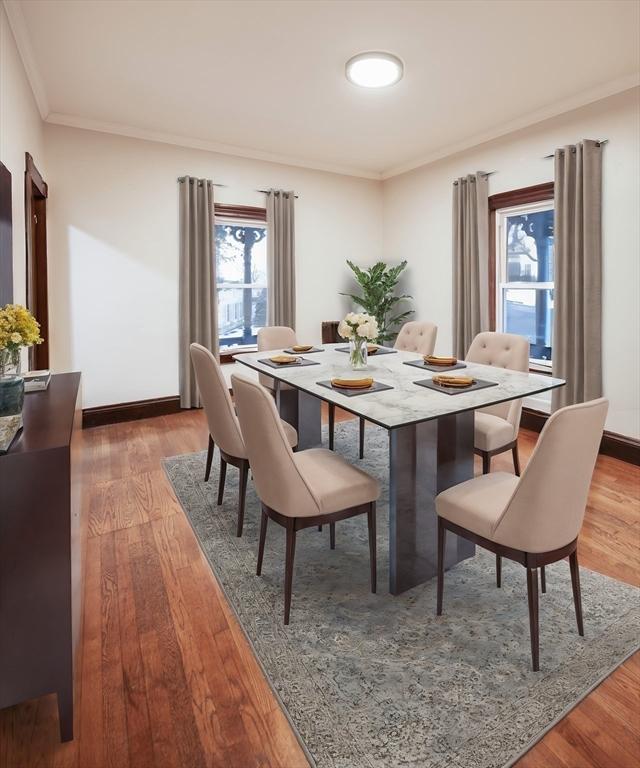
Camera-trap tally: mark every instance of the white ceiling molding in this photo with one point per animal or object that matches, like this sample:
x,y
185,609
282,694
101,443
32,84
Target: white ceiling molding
x,y
21,36
74,121
559,108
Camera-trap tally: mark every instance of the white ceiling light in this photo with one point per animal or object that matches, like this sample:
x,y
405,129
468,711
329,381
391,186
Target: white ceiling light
x,y
374,69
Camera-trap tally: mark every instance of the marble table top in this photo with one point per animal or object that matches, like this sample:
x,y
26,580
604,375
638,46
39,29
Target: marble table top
x,y
406,403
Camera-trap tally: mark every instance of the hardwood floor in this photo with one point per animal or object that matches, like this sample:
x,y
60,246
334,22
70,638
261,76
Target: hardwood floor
x,y
165,677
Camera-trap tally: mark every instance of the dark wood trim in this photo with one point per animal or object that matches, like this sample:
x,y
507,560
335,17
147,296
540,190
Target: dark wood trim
x,y
138,409
612,444
535,194
227,357
35,214
242,212
6,247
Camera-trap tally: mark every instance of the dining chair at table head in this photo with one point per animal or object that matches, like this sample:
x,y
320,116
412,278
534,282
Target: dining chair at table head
x,y
303,489
534,520
496,427
275,337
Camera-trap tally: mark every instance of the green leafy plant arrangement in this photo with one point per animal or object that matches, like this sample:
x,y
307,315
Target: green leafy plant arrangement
x,y
378,284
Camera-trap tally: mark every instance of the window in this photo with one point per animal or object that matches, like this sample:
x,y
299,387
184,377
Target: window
x,y
522,287
241,275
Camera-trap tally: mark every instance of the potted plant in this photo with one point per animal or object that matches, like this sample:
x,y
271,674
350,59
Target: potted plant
x,y
378,284
18,328
358,329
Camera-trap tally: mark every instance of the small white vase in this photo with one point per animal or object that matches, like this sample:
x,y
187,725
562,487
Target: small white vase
x,y
358,353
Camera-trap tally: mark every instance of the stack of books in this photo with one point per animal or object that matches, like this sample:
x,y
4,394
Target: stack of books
x,y
36,381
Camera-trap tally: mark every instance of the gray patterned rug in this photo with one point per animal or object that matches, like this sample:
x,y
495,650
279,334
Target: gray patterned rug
x,y
379,681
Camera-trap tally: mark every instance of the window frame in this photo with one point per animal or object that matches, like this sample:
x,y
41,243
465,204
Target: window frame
x,y
237,214
539,193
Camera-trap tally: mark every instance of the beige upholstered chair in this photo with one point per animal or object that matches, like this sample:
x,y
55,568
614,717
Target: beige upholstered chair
x,y
299,490
534,520
224,427
415,336
275,337
496,427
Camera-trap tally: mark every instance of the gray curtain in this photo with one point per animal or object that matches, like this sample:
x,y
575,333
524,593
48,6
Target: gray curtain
x,y
577,317
198,306
281,301
470,260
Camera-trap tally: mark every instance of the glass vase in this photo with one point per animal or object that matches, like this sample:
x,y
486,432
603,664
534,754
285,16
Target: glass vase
x,y
11,383
358,353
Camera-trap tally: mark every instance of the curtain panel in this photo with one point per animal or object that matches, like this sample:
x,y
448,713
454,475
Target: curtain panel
x,y
470,260
577,317
198,304
281,302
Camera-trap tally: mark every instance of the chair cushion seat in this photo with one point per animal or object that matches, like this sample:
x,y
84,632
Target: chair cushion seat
x,y
290,432
478,503
491,432
334,483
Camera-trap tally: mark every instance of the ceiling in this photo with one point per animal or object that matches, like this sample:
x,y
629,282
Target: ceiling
x,y
266,79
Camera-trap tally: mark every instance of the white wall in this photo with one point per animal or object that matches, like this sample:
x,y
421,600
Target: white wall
x,y
113,251
417,226
21,130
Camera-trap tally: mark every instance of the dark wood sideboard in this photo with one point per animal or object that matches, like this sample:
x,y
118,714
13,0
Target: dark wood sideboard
x,y
41,550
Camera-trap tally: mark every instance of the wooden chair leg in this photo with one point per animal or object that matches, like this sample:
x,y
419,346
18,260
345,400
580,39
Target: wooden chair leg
x,y
362,422
319,527
242,492
263,535
486,463
210,448
442,532
516,460
498,571
332,425
288,567
371,524
332,535
532,594
543,580
223,476
577,595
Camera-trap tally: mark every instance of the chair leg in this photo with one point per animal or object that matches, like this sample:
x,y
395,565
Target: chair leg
x,y
442,532
263,537
319,527
532,594
332,425
543,580
577,595
362,422
242,492
486,463
371,524
288,567
516,459
210,448
498,571
223,476
332,535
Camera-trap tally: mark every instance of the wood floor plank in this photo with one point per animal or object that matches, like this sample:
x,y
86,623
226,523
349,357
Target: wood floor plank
x,y
166,677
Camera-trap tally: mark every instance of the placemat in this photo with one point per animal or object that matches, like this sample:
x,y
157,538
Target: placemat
x,y
300,363
292,351
436,368
375,387
380,351
478,384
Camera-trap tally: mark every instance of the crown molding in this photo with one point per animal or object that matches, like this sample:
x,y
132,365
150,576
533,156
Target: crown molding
x,y
557,108
120,129
21,36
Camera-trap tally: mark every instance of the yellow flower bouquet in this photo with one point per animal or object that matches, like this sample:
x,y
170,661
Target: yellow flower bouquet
x,y
18,328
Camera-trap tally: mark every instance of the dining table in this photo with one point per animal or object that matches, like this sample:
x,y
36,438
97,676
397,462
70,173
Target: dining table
x,y
430,430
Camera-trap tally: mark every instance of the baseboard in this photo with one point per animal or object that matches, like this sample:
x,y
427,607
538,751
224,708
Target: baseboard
x,y
614,445
139,409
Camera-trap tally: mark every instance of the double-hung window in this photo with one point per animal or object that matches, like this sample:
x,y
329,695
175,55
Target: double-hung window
x,y
241,275
524,279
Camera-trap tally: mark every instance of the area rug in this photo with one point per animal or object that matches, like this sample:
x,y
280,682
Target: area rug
x,y
379,681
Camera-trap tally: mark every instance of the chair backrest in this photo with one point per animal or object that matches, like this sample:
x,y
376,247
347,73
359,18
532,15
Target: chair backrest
x,y
504,350
224,426
274,337
547,507
275,474
417,337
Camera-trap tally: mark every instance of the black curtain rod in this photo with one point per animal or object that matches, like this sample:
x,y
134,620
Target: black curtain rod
x,y
482,173
181,179
598,144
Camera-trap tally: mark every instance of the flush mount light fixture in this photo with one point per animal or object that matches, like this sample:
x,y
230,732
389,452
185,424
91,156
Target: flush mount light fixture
x,y
374,69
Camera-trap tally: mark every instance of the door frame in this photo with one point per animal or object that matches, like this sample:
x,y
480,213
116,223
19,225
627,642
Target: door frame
x,y
35,215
